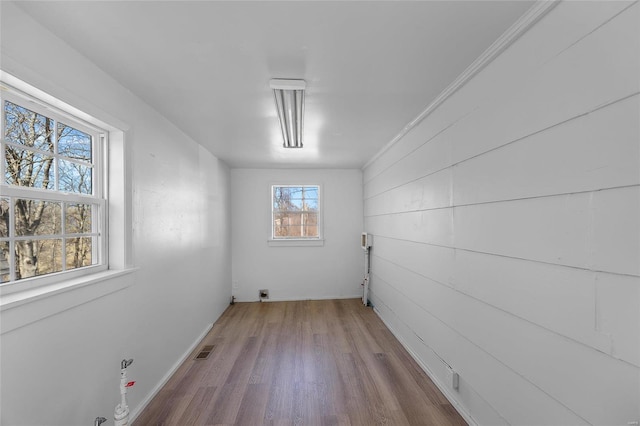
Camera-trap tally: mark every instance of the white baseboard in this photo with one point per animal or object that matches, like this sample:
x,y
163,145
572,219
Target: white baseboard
x,y
444,389
136,412
297,299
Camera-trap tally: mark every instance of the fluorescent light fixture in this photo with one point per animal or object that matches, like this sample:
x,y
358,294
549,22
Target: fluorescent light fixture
x,y
289,96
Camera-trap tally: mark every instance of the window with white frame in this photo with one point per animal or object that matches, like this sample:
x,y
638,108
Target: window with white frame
x,y
52,199
295,212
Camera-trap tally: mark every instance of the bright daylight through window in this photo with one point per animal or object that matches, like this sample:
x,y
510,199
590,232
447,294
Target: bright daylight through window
x,y
52,206
295,213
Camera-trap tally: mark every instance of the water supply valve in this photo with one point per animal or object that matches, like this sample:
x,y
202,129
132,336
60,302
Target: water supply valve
x,y
121,414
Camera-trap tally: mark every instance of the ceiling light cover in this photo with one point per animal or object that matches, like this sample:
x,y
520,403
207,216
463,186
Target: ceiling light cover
x,y
289,97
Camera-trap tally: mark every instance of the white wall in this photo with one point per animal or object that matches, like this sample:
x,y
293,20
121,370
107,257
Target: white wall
x,y
64,369
506,227
334,270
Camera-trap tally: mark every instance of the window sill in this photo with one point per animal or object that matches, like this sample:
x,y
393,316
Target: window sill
x,y
41,302
296,243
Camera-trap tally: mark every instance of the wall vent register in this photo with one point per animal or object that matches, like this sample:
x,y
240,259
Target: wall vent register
x,y
205,352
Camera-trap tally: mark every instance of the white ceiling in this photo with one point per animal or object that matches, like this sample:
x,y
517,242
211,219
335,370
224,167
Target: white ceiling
x,y
370,67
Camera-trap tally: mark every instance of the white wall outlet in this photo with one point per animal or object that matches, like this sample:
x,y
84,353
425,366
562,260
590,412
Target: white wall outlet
x,y
453,379
263,294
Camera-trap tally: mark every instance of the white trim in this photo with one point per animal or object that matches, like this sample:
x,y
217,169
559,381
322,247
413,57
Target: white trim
x,y
296,242
52,281
96,199
526,21
303,241
50,102
30,300
140,408
300,299
461,409
26,307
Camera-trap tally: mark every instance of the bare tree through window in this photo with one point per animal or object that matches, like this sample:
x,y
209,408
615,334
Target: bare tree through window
x,y
295,211
51,164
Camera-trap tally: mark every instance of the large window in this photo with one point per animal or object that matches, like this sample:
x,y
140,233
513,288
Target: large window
x,y
295,211
52,204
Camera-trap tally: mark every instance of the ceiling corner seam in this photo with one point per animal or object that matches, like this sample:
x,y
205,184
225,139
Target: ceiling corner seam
x,y
513,33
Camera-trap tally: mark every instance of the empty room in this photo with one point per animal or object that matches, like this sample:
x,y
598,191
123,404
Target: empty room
x,y
320,213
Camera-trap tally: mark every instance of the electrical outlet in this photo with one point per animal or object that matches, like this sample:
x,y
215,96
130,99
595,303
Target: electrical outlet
x,y
453,379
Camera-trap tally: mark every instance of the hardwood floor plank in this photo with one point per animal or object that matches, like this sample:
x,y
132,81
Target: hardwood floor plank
x,y
192,414
253,405
328,362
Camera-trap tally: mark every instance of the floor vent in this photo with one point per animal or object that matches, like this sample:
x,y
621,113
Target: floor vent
x,y
205,352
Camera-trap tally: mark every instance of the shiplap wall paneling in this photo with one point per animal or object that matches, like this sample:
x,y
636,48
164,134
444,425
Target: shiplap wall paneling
x,y
565,28
507,227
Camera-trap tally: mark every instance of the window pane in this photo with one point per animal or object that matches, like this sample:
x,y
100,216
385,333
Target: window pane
x,y
295,198
74,177
291,231
310,224
281,198
311,205
36,217
73,143
78,219
28,128
278,225
302,199
296,203
4,261
4,217
28,168
312,193
289,225
56,232
79,252
38,257
295,211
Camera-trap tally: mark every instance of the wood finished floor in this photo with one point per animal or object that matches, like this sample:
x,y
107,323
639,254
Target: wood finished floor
x,y
329,362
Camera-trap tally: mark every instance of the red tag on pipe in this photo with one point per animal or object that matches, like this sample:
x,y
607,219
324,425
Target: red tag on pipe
x,y
128,385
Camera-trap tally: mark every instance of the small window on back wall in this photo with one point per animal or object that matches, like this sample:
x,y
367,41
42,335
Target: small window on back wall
x,y
295,211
